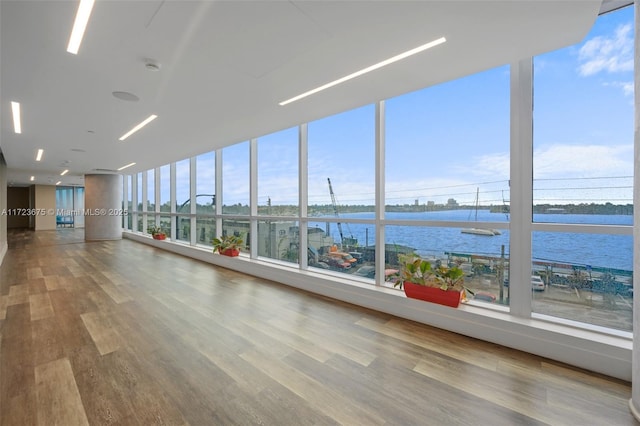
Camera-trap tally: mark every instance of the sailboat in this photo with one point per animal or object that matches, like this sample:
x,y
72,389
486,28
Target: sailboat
x,y
488,232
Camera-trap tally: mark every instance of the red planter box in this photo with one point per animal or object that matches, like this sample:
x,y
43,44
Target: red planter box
x,y
159,236
433,294
229,252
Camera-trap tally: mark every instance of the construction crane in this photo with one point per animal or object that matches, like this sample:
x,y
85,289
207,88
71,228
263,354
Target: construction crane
x,y
335,210
344,242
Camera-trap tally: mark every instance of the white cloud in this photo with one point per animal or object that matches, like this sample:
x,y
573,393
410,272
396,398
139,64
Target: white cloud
x,y
626,86
568,161
610,54
487,167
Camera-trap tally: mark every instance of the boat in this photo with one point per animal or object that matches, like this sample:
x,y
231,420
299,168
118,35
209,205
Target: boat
x,y
480,231
488,232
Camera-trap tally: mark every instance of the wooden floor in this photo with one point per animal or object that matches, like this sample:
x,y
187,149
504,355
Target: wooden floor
x,y
122,333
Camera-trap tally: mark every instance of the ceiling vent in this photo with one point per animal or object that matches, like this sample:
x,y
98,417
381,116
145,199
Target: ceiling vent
x,y
105,170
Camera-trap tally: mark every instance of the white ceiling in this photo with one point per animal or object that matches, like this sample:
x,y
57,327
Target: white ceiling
x,y
225,65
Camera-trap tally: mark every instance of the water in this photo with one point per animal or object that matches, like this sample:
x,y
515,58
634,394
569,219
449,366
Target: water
x,y
594,250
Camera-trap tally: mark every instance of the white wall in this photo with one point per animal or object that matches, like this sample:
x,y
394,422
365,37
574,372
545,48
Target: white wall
x,y
3,206
45,198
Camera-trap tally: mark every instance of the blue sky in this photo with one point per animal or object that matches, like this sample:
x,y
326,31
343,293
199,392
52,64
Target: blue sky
x,y
587,131
449,140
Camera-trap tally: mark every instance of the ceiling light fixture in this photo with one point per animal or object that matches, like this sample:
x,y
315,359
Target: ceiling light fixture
x,y
32,178
64,172
58,182
39,154
128,165
80,25
139,126
367,69
17,124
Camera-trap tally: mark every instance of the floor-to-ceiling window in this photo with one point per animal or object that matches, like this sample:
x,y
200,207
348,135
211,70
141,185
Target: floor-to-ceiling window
x,y
277,169
164,201
78,202
206,198
341,188
582,240
151,198
183,200
447,186
235,191
140,220
447,178
128,203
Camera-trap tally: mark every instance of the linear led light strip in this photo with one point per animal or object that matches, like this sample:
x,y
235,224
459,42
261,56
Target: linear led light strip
x,y
80,25
128,165
17,124
39,154
139,126
64,172
367,69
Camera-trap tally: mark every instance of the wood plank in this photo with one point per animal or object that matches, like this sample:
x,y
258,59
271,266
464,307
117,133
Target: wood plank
x,y
118,295
33,273
40,305
4,302
52,282
18,294
47,341
59,401
104,336
322,398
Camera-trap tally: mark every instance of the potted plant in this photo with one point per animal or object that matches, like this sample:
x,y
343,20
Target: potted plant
x,y
228,245
156,232
439,284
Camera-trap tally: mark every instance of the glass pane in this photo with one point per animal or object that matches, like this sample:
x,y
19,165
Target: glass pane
x,y
584,125
183,228
278,173
327,250
235,179
183,188
206,230
484,260
65,214
165,224
129,206
139,195
342,150
165,188
238,228
587,277
447,149
151,191
206,184
78,202
151,221
279,240
64,199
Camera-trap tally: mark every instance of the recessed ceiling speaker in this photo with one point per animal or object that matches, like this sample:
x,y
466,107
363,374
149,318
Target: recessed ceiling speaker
x,y
151,65
125,96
